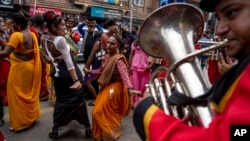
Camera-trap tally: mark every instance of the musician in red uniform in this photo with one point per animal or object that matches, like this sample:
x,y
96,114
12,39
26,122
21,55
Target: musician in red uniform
x,y
230,94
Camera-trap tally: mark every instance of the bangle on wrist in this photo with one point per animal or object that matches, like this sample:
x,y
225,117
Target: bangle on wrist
x,y
75,79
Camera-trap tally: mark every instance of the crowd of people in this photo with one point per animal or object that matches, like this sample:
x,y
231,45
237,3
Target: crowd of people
x,y
37,61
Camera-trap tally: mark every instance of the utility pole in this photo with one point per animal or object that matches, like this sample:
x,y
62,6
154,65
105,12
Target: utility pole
x,y
131,15
35,7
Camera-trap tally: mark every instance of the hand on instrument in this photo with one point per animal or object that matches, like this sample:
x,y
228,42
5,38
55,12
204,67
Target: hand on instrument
x,y
224,65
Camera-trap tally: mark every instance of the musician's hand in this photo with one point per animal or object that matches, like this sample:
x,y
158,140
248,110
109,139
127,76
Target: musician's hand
x,y
224,65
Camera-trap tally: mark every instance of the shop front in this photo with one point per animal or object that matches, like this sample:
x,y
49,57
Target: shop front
x,y
40,10
105,13
7,7
102,14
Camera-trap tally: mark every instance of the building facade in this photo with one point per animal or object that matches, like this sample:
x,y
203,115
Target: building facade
x,y
124,10
77,10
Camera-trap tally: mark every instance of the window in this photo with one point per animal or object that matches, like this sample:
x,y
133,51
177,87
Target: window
x,y
139,2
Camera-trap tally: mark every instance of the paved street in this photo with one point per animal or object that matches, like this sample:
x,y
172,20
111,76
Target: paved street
x,y
72,132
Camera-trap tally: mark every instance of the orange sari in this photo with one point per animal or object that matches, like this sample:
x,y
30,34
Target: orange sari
x,y
109,109
23,85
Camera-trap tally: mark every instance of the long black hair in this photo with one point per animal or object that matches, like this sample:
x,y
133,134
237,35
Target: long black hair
x,y
37,20
21,18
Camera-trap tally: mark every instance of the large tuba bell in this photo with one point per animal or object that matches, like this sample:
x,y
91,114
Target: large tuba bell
x,y
170,32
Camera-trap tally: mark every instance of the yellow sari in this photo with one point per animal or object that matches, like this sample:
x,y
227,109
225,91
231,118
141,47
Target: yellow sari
x,y
23,85
109,109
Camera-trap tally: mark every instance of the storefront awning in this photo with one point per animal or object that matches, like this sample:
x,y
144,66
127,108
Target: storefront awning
x,y
40,10
63,5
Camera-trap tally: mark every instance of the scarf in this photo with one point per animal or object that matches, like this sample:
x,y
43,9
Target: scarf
x,y
106,75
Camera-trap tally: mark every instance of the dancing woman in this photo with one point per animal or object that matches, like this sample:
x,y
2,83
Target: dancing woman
x,y
114,99
23,86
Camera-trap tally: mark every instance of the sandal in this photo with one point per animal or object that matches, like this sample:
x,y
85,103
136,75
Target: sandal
x,y
92,103
2,123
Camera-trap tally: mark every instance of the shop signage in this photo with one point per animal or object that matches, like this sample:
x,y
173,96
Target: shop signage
x,y
6,3
105,13
109,1
41,10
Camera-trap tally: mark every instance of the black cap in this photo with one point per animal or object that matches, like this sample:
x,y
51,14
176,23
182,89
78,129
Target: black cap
x,y
209,5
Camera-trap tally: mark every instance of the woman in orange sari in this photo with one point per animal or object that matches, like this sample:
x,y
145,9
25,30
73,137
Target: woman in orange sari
x,y
24,81
113,101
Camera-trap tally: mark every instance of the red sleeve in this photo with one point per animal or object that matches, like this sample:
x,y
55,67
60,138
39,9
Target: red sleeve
x,y
166,64
152,124
34,31
212,71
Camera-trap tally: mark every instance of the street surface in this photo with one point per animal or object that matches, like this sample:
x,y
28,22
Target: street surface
x,y
72,132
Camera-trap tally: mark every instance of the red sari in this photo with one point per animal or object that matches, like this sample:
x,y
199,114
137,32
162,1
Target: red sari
x,y
2,138
4,71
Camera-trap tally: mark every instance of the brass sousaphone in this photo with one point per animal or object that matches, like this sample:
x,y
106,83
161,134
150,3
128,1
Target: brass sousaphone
x,y
170,32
